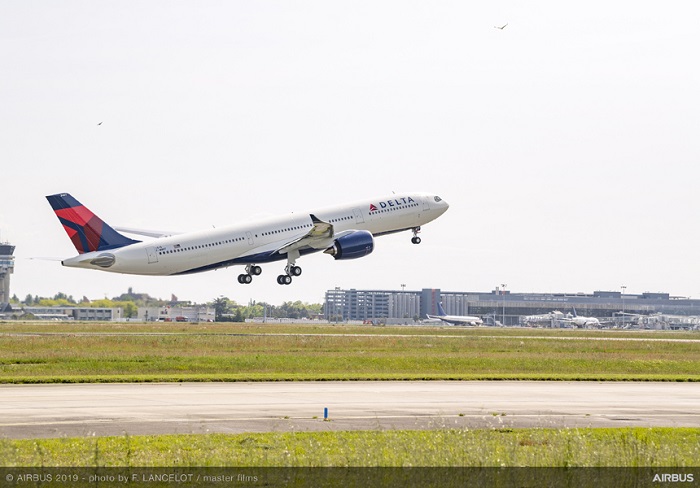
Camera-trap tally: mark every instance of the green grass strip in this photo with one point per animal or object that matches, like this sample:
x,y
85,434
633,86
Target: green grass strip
x,y
248,377
589,447
32,353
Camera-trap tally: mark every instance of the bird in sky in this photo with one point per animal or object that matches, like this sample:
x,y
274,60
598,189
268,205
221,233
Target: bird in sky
x,y
500,27
100,123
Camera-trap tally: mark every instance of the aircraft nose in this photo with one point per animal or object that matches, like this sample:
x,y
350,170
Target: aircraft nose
x,y
442,204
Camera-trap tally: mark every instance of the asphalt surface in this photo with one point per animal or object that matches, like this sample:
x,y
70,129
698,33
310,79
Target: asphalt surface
x,y
34,411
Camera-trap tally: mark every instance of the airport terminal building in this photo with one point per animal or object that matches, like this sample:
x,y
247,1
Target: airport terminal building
x,y
496,306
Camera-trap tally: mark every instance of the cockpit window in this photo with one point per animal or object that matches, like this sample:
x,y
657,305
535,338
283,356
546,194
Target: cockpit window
x,y
438,199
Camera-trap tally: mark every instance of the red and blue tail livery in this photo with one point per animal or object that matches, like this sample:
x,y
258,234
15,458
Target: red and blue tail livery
x,y
86,230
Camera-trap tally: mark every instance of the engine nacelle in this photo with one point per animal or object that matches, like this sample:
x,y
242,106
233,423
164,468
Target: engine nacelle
x,y
351,246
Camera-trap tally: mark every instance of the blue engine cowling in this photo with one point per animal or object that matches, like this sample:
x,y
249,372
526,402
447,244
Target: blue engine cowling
x,y
351,246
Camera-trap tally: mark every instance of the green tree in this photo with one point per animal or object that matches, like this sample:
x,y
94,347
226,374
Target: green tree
x,y
130,310
104,303
60,302
63,296
221,308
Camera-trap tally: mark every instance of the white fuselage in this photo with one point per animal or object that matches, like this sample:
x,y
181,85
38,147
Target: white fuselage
x,y
259,241
584,321
458,319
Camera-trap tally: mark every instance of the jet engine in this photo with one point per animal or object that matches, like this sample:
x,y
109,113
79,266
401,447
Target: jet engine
x,y
351,246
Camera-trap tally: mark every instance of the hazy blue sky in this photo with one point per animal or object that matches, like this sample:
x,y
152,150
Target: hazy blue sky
x,y
567,144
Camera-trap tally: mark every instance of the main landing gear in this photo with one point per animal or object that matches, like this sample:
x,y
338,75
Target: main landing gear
x,y
415,239
250,271
284,279
290,270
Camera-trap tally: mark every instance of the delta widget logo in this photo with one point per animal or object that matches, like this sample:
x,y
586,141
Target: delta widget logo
x,y
398,202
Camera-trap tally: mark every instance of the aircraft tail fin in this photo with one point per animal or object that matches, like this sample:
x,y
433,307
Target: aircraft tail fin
x,y
86,230
441,311
572,308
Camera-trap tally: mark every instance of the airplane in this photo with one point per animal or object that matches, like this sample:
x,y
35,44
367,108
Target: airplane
x,y
543,318
455,319
660,320
580,321
343,231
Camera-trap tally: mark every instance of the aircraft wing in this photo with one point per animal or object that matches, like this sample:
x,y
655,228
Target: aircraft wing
x,y
319,236
147,233
320,230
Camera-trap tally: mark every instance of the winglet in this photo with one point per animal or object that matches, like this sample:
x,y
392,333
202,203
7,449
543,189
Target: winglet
x,y
321,228
441,311
86,230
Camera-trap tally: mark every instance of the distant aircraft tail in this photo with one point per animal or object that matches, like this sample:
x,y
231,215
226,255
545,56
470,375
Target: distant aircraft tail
x,y
441,311
86,230
572,308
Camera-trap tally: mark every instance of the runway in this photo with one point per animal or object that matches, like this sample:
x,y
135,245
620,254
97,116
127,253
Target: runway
x,y
34,411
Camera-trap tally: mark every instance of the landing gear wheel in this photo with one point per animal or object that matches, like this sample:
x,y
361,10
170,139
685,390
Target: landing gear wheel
x,y
292,270
253,270
415,239
284,279
245,279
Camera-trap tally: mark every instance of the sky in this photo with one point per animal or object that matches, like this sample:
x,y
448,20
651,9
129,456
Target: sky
x,y
566,143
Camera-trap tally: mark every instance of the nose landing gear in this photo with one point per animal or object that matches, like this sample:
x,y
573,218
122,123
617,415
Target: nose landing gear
x,y
415,239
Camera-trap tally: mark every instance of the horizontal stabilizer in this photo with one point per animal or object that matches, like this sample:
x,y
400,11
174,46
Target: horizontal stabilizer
x,y
146,232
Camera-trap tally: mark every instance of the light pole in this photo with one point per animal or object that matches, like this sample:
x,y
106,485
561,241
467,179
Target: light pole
x,y
622,295
503,292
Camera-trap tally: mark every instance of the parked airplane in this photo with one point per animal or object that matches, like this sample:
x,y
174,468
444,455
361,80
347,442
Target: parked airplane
x,y
543,318
580,321
660,320
455,319
344,232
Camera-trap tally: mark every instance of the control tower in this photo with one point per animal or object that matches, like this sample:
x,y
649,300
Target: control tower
x,y
7,267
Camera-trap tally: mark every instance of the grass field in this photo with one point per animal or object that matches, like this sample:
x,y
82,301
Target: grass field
x,y
71,352
629,447
91,352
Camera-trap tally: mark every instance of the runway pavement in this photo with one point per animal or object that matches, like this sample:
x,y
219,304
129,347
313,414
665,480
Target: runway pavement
x,y
32,411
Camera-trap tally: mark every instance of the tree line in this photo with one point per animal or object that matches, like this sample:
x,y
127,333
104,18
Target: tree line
x,y
225,309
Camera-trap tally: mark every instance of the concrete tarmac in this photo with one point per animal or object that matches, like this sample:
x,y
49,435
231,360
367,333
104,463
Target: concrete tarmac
x,y
33,411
